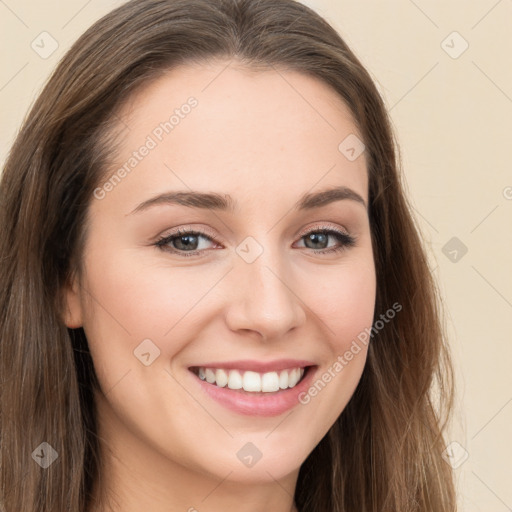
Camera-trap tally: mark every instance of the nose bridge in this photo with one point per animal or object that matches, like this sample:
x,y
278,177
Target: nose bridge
x,y
265,301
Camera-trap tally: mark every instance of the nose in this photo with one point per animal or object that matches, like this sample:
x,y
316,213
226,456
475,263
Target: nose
x,y
264,298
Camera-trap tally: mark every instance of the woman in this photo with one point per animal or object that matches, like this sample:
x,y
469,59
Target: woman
x,y
214,296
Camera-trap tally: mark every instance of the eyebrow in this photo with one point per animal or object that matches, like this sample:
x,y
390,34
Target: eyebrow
x,y
224,202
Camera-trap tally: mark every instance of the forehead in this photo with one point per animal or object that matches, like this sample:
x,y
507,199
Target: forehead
x,y
248,129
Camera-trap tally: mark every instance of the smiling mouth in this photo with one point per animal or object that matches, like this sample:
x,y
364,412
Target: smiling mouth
x,y
252,382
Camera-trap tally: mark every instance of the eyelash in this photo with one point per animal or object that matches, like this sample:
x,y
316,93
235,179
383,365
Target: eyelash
x,y
345,240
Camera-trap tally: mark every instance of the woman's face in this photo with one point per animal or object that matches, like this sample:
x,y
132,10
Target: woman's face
x,y
258,280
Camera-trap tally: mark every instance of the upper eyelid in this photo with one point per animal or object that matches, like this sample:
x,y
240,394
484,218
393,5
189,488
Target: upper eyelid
x,y
207,232
323,226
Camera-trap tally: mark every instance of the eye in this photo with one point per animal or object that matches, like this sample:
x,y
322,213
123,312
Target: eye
x,y
188,242
320,237
183,242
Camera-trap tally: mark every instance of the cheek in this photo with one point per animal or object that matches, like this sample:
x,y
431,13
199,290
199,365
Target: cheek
x,y
131,299
344,306
344,301
142,296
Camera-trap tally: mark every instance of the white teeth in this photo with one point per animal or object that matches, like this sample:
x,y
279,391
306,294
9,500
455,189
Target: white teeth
x,y
293,377
235,380
270,382
210,375
252,381
283,380
221,378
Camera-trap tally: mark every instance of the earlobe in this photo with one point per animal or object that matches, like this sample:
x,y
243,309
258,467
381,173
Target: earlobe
x,y
72,315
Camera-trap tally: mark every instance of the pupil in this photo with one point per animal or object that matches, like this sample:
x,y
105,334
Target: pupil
x,y
188,243
318,238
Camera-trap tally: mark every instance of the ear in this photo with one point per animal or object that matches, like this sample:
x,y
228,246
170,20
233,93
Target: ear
x,y
72,315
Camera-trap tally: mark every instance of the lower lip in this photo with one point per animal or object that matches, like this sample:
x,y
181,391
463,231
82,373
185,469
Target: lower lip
x,y
258,404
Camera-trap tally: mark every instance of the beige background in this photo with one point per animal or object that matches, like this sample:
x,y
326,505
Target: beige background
x,y
452,111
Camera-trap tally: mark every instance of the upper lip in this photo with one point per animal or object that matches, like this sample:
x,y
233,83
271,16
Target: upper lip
x,y
257,366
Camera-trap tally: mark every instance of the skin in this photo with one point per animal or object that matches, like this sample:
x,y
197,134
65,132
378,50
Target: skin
x,y
165,445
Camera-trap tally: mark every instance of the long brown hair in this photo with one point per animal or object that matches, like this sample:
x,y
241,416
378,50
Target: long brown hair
x,y
384,452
